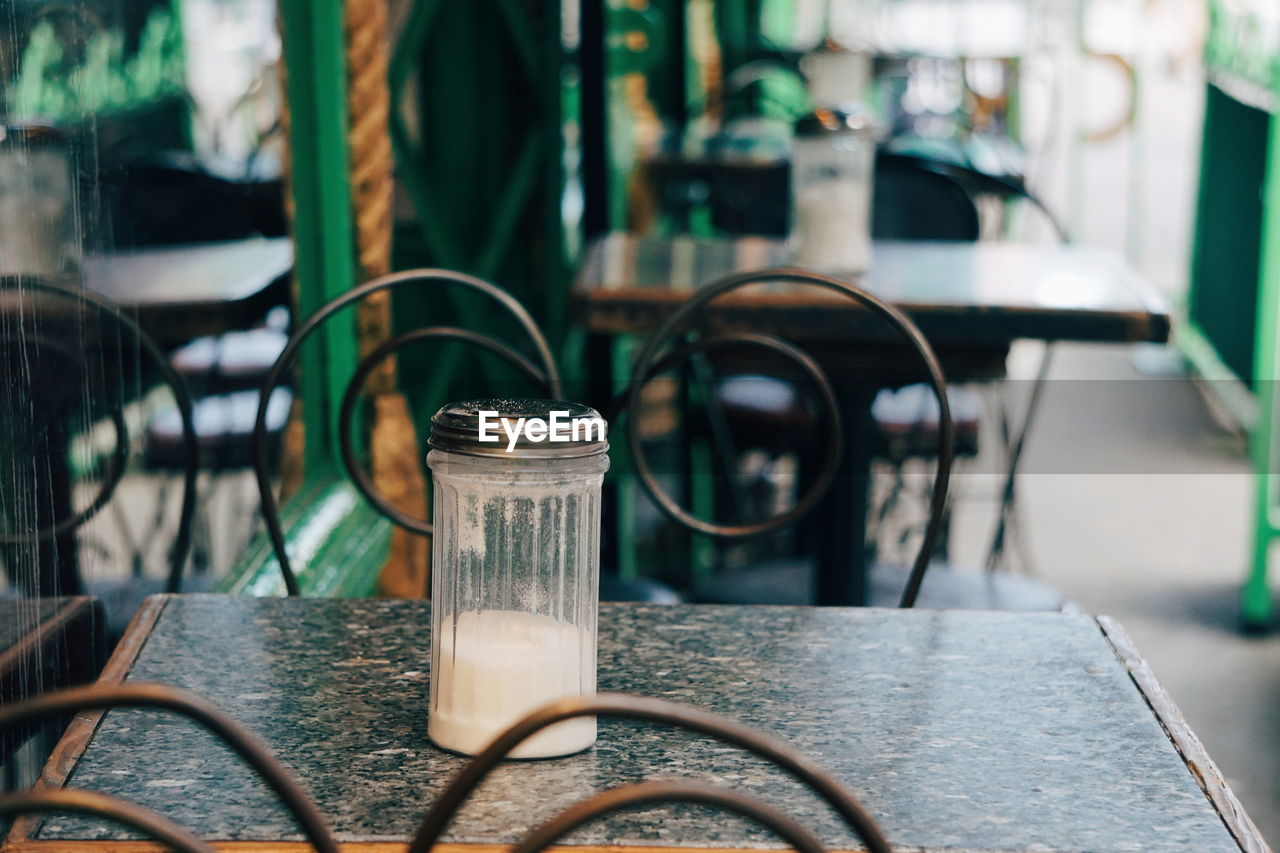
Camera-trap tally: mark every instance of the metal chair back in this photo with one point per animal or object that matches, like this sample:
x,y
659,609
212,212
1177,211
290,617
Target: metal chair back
x,y
660,353
544,373
92,303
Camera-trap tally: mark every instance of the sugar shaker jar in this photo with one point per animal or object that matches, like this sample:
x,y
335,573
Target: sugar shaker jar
x,y
515,570
832,169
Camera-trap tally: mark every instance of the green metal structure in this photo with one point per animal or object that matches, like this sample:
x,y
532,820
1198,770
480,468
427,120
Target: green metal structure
x,y
1233,306
477,126
326,506
108,81
486,101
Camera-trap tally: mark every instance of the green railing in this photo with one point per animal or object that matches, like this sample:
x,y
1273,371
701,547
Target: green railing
x,y
1232,309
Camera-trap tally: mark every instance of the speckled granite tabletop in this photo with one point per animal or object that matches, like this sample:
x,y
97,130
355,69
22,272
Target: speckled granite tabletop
x,y
960,731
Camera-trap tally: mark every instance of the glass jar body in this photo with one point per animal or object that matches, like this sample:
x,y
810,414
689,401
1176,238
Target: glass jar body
x,y
515,590
831,179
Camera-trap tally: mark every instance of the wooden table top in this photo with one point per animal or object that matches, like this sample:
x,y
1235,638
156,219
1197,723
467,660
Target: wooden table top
x,y
959,731
959,293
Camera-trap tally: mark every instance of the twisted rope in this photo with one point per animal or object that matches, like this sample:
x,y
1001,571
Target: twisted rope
x,y
371,164
393,442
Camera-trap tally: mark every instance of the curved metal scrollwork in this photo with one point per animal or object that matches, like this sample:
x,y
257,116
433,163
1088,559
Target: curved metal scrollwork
x,y
367,365
182,540
93,804
549,375
450,800
649,793
831,449
629,707
644,368
202,711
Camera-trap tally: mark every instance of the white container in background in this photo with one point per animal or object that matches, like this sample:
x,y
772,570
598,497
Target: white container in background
x,y
515,570
832,169
38,229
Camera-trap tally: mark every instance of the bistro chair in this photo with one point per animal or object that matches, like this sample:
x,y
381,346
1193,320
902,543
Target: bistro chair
x,y
52,366
672,345
927,198
541,372
917,198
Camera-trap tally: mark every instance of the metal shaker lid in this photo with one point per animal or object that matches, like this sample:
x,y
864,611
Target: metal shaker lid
x,y
519,429
829,120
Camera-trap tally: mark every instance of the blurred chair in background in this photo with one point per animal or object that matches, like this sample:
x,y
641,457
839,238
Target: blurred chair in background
x,y
75,340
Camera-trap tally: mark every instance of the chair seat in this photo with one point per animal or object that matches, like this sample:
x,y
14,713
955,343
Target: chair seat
x,y
223,424
945,588
762,411
907,420
760,408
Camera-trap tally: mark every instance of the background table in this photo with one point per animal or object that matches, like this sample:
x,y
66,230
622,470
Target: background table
x,y
968,294
971,300
960,731
182,292
177,292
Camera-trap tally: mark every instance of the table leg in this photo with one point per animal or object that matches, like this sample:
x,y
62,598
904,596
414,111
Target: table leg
x,y
838,527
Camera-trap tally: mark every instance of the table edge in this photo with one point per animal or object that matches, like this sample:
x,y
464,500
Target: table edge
x,y
398,847
1153,302
1202,768
75,740
1150,322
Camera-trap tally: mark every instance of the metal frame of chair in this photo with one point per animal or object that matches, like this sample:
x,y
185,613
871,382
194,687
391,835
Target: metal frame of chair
x,y
650,361
87,299
546,375
976,182
451,799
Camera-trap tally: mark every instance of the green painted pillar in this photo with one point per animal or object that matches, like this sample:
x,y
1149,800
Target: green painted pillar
x,y
324,265
1258,604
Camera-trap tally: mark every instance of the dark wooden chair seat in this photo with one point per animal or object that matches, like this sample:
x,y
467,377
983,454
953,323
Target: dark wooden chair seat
x,y
907,421
229,362
224,425
762,411
766,412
